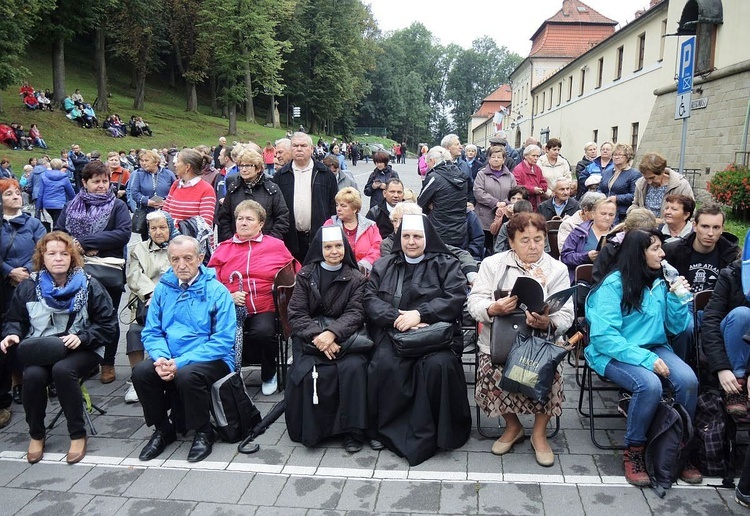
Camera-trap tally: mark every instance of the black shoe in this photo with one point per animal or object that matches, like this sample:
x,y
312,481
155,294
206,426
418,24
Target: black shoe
x,y
52,390
201,448
376,445
17,393
351,445
157,444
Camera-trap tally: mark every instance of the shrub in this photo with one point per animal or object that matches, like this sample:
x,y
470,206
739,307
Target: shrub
x,y
731,186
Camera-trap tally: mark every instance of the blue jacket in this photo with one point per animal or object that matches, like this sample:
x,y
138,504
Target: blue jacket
x,y
28,231
623,189
197,325
595,167
572,253
627,338
54,190
36,179
141,187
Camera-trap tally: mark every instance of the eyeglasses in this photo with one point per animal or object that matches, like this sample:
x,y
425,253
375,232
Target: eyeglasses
x,y
534,155
618,155
245,165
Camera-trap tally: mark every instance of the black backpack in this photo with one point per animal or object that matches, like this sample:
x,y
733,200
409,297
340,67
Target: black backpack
x,y
234,412
713,448
669,444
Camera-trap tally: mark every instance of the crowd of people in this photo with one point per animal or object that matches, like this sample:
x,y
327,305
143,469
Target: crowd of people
x,y
217,225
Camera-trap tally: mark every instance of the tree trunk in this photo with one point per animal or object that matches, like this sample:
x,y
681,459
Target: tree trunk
x,y
1,105
58,70
214,87
249,110
192,98
233,118
140,89
172,83
100,65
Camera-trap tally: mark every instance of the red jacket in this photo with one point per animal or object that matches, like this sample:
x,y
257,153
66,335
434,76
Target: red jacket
x,y
530,177
258,261
367,241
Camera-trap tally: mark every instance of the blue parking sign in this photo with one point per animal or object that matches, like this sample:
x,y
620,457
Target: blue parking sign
x,y
687,58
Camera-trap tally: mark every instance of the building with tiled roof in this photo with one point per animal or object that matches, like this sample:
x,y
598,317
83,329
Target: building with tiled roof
x,y
481,125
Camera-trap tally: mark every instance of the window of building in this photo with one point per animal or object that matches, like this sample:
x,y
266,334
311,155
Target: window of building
x,y
614,134
618,68
705,44
570,88
550,99
559,93
599,71
583,82
544,100
634,136
595,136
640,52
662,39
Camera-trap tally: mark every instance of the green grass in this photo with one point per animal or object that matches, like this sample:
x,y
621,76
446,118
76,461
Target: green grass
x,y
164,111
738,228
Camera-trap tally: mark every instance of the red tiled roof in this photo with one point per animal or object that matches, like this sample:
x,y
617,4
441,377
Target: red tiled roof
x,y
494,101
574,11
503,93
568,41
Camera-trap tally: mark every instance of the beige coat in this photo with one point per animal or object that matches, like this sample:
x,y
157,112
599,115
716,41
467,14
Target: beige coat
x,y
561,168
677,185
490,273
146,264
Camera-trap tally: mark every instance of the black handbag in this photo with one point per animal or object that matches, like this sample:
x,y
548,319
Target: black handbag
x,y
358,342
504,329
110,272
418,342
44,351
139,309
531,366
138,224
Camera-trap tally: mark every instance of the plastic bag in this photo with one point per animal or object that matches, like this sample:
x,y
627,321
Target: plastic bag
x,y
531,366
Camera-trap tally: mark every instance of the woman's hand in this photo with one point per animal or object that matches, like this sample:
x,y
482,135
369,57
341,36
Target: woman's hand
x,y
239,298
407,320
10,340
538,321
152,203
18,274
729,382
677,284
71,341
324,341
503,306
332,351
660,368
593,254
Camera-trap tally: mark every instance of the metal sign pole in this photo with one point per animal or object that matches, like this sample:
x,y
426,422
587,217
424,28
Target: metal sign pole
x,y
682,145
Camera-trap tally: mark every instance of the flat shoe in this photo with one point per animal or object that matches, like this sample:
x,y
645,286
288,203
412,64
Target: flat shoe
x,y
376,445
351,445
501,448
35,456
75,457
543,458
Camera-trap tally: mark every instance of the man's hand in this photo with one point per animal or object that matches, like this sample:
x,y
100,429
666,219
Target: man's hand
x,y
10,340
165,368
407,320
729,382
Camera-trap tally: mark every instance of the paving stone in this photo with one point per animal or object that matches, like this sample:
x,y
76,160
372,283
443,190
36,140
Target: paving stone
x,y
339,458
577,464
579,441
11,469
477,443
222,509
412,496
521,461
111,447
263,490
212,486
484,463
516,499
447,461
690,502
307,492
268,454
116,406
730,506
329,512
304,456
359,495
459,497
106,481
50,477
103,505
54,503
135,507
14,499
155,483
561,500
119,427
608,464
605,501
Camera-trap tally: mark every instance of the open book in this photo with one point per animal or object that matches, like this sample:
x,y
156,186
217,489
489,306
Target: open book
x,y
531,294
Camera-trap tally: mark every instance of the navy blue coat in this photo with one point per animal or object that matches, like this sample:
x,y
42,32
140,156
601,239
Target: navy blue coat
x,y
28,231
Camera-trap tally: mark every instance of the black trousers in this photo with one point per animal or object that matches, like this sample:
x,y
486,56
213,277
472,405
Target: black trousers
x,y
66,374
5,379
110,348
191,385
260,343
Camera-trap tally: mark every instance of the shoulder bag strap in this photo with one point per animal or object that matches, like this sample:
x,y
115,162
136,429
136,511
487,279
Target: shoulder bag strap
x,y
396,299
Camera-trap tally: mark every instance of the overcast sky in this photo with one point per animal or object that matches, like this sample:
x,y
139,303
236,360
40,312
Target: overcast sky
x,y
510,23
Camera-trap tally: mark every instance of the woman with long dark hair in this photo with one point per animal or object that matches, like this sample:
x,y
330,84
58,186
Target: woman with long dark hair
x,y
631,315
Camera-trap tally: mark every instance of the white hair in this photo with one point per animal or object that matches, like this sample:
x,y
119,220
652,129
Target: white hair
x,y
531,148
588,145
438,154
470,146
405,208
560,179
299,135
448,139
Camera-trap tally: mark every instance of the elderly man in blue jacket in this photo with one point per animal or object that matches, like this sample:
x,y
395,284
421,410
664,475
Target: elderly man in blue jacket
x,y
189,336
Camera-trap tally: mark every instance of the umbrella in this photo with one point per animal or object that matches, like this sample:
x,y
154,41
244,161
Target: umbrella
x,y
238,332
273,414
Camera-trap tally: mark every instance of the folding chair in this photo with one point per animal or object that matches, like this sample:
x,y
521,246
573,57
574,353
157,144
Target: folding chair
x,y
87,406
583,280
700,301
283,286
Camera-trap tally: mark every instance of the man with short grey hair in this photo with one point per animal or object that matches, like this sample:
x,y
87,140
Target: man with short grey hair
x,y
217,150
282,153
560,205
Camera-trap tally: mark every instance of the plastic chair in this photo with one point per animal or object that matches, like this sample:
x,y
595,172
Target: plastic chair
x,y
283,286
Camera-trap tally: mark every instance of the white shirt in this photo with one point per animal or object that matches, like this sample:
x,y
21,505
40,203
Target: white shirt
x,y
303,196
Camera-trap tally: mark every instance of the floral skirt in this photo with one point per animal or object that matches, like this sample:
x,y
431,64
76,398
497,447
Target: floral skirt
x,y
495,402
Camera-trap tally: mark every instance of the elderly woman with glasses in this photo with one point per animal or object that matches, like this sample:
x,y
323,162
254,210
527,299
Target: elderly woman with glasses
x,y
618,183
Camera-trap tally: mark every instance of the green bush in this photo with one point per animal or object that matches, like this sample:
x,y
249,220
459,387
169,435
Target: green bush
x,y
732,187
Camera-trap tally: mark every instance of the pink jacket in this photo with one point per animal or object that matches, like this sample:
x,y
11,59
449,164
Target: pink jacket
x,y
258,261
366,242
530,177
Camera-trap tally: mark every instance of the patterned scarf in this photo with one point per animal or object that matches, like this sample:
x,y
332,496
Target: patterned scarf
x,y
71,297
88,213
534,270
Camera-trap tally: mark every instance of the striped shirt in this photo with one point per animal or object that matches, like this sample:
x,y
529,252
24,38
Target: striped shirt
x,y
190,199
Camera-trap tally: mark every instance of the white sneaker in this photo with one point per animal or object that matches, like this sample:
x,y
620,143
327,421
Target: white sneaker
x,y
131,396
269,387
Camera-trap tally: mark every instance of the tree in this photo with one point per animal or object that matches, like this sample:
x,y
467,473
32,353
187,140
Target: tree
x,y
191,58
16,27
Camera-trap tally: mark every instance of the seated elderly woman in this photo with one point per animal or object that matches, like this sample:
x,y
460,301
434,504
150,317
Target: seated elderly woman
x,y
582,245
148,261
502,243
586,212
418,404
250,281
325,311
362,233
252,184
631,314
677,212
58,299
658,182
526,257
637,218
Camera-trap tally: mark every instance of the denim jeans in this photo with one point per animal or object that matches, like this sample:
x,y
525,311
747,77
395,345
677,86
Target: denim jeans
x,y
733,327
646,388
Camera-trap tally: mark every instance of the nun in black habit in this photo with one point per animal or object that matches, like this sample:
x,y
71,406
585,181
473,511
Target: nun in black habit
x,y
416,405
335,403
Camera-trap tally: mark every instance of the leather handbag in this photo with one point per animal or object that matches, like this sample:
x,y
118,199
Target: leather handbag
x,y
418,342
110,272
41,351
359,342
503,333
138,224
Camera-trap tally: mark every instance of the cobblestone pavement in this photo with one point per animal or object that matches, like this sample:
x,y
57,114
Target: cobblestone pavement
x,y
288,479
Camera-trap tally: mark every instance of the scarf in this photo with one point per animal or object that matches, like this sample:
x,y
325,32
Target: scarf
x,y
71,297
88,213
254,182
534,270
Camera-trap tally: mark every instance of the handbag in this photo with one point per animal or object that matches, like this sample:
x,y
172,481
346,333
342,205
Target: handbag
x,y
138,224
531,366
44,351
110,272
418,342
359,342
504,329
138,309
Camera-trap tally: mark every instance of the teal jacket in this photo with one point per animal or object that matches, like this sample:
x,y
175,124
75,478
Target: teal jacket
x,y
628,338
197,325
